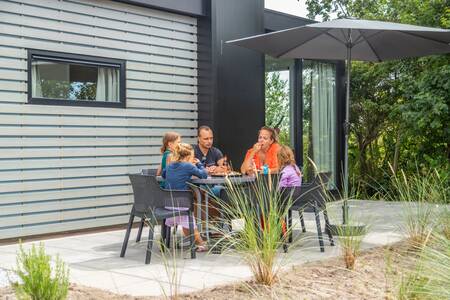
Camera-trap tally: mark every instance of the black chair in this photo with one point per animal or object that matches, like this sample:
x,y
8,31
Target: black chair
x,y
310,197
149,202
149,172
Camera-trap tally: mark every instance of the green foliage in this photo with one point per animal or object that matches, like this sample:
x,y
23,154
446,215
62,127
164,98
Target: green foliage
x,y
83,91
262,234
37,279
350,240
430,278
399,109
277,104
55,89
419,192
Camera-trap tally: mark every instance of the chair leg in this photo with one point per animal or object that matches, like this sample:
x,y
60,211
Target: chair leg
x,y
284,237
302,221
148,254
175,229
163,235
319,228
168,237
327,227
141,226
289,226
127,236
191,235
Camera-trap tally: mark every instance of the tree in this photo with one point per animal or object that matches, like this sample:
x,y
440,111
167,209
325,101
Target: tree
x,y
399,109
277,104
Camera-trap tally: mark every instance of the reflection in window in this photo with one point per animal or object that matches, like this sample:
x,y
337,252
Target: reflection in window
x,y
278,97
319,119
67,78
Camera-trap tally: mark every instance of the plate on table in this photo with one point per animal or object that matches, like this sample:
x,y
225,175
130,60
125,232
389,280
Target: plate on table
x,y
230,174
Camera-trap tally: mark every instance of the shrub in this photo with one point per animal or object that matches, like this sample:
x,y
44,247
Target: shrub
x,y
261,207
37,279
431,277
420,193
350,237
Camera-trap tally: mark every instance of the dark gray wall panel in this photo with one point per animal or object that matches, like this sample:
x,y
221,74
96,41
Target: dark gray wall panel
x,y
186,7
238,76
275,20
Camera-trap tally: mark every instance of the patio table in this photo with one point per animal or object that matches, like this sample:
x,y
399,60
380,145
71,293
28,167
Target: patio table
x,y
211,181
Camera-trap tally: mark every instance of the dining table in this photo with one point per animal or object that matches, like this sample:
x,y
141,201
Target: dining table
x,y
199,184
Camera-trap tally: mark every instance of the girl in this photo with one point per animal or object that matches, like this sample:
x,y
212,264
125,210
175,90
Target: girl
x,y
290,173
170,140
176,176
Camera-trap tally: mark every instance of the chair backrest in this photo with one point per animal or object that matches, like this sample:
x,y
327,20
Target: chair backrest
x,y
310,192
145,199
149,195
322,178
151,172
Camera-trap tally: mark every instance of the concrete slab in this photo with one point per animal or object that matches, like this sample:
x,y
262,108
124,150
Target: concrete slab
x,y
94,259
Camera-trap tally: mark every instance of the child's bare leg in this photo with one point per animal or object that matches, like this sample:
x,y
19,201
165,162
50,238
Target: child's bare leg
x,y
197,237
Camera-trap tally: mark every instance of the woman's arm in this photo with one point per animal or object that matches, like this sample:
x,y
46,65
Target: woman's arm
x,y
274,170
247,166
199,171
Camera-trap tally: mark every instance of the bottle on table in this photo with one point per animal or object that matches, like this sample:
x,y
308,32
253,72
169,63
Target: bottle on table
x,y
265,170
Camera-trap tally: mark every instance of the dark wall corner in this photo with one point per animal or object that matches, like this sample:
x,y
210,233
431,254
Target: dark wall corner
x,y
240,76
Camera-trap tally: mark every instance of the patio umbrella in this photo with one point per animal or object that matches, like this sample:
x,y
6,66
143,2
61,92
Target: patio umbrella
x,y
349,39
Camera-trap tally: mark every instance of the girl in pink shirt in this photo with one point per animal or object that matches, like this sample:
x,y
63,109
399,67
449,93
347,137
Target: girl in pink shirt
x,y
291,176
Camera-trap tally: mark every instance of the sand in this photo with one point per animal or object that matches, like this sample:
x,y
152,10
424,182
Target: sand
x,y
374,277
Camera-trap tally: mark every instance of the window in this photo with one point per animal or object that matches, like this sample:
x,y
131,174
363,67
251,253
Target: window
x,y
70,79
319,119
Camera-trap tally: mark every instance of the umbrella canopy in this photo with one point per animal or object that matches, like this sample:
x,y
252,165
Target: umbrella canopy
x,y
368,40
350,39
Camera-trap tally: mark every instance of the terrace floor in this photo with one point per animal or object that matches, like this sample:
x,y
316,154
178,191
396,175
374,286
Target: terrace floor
x,y
94,259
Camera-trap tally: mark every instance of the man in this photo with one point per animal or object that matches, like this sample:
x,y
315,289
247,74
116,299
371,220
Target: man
x,y
211,157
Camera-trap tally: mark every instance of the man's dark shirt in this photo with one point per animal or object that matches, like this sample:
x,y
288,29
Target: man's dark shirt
x,y
211,158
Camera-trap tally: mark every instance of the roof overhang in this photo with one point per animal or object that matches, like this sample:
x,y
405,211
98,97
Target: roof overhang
x,y
195,8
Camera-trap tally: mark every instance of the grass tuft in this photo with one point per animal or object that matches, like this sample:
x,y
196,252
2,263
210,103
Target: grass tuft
x,y
261,207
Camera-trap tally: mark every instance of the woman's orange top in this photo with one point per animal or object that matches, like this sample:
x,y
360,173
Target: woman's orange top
x,y
271,157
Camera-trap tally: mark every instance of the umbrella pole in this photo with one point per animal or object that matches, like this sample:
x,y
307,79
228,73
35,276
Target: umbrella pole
x,y
347,131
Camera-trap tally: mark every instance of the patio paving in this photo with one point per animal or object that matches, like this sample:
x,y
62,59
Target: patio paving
x,y
94,259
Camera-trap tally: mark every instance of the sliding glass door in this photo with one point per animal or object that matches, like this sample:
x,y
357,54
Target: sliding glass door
x,y
279,77
319,119
305,114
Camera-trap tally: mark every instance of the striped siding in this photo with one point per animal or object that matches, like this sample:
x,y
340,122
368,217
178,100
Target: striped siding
x,y
65,168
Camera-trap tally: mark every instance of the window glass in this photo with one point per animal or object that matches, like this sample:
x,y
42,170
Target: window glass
x,y
319,119
75,80
55,80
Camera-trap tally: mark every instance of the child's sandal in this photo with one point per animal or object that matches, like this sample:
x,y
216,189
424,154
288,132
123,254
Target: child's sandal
x,y
201,248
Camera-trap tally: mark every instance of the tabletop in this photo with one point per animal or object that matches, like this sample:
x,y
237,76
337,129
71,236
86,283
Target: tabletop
x,y
213,180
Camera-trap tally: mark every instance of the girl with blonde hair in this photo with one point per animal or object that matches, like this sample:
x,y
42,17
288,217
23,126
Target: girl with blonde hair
x,y
291,176
177,175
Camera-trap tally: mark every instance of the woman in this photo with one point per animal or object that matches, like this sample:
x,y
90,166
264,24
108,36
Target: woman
x,y
264,152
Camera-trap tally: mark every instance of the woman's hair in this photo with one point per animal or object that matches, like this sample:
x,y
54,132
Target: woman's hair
x,y
273,133
168,137
181,151
285,157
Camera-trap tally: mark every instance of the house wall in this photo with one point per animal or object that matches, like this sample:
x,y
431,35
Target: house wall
x,y
231,81
65,167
